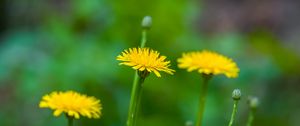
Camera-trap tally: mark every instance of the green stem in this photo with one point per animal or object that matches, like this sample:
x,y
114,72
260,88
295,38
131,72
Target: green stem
x,y
202,99
135,99
251,117
144,38
139,98
70,120
233,112
136,92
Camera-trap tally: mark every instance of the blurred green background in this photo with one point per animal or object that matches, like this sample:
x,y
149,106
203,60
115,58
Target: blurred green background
x,y
48,45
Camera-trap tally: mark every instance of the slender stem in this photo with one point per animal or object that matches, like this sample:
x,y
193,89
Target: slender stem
x,y
203,92
250,117
139,98
144,38
134,99
70,120
136,92
233,112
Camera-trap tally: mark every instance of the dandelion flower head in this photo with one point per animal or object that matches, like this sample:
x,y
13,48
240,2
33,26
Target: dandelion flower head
x,y
208,62
145,59
72,104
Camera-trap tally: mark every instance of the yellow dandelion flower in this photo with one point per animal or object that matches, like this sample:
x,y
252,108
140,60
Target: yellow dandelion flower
x,y
72,103
208,62
145,59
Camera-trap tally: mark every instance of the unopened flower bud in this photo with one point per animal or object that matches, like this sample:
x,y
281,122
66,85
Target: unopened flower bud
x,y
189,123
253,102
147,22
236,94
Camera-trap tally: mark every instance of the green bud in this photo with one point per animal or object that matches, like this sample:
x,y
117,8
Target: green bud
x,y
236,94
253,102
189,123
147,22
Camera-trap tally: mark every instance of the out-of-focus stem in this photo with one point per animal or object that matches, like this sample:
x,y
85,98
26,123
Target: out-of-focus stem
x,y
250,117
70,120
144,38
202,99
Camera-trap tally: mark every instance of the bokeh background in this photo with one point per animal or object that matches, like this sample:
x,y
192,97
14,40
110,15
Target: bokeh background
x,y
59,45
